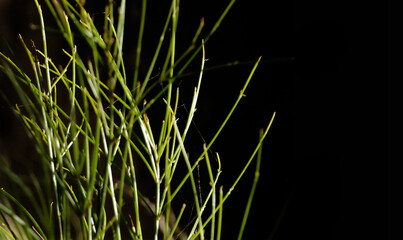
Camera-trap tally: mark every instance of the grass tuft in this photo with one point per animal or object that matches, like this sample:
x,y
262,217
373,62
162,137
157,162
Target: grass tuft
x,y
90,126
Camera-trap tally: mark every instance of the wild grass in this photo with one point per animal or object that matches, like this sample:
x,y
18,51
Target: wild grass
x,y
89,124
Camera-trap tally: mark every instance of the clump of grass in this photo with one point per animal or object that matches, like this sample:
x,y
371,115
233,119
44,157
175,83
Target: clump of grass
x,y
91,146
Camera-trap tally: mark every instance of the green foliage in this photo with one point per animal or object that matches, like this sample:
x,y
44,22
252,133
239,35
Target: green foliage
x,y
91,146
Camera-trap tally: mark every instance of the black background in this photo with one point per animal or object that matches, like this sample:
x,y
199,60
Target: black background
x,y
324,167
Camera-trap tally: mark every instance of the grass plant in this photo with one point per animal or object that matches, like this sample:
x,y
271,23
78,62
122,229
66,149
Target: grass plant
x,y
89,124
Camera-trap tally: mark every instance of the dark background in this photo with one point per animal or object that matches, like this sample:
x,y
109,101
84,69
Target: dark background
x,y
324,167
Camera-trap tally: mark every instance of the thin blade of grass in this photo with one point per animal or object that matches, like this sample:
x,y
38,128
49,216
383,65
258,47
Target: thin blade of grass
x,y
220,213
196,199
240,96
253,189
225,197
139,44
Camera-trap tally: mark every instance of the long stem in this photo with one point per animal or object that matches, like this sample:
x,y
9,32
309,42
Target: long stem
x,y
240,96
252,191
252,156
242,172
143,89
139,45
132,173
196,199
213,185
48,130
220,213
213,30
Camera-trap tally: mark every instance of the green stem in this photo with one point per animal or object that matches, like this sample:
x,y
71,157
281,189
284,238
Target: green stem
x,y
242,172
213,30
220,212
252,191
49,131
185,156
139,45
